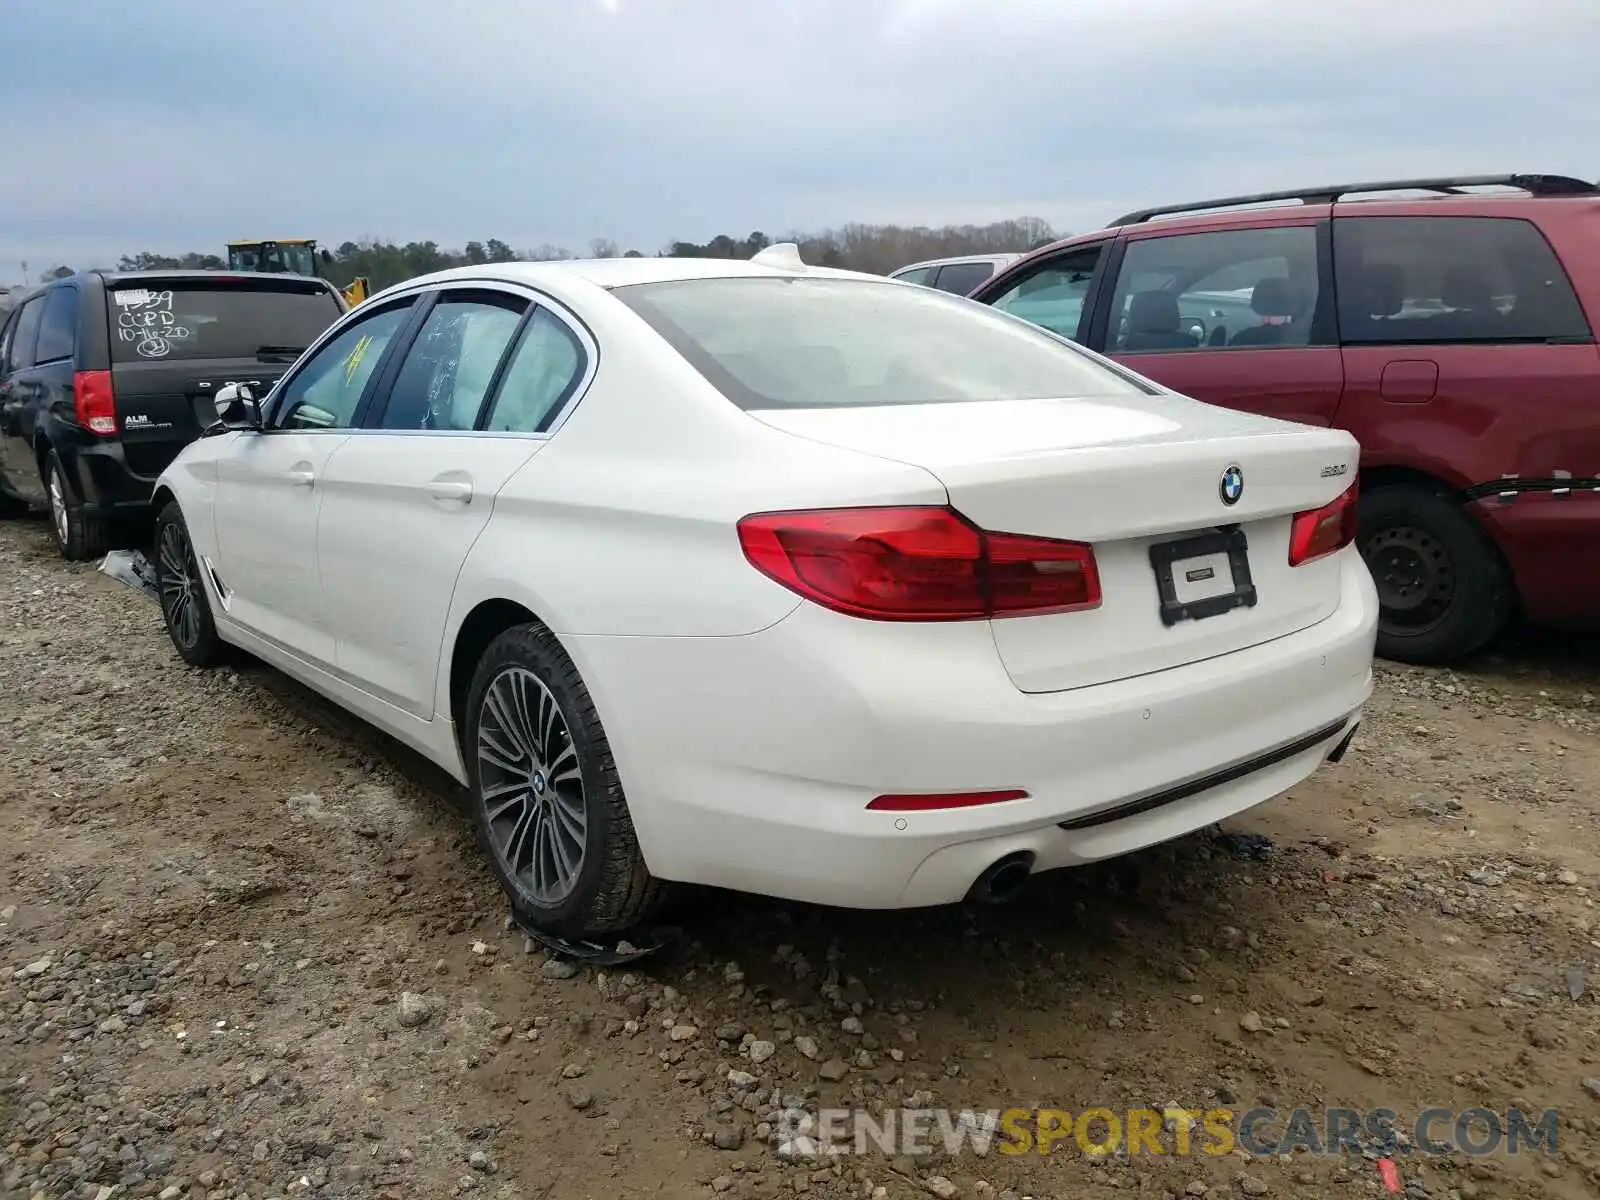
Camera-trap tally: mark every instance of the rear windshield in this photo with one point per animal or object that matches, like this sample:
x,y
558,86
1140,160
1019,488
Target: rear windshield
x,y
194,321
840,343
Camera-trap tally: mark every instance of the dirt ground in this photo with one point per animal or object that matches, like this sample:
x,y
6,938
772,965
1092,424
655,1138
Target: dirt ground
x,y
214,891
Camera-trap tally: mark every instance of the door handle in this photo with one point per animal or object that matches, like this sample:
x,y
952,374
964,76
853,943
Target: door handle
x,y
452,489
302,477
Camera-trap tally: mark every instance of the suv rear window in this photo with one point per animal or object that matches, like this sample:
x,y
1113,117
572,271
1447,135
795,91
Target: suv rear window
x,y
842,343
200,321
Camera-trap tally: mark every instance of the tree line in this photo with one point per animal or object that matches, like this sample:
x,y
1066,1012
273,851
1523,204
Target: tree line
x,y
878,249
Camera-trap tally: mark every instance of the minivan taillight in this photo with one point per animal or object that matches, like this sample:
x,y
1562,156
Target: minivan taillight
x,y
923,563
94,401
1318,532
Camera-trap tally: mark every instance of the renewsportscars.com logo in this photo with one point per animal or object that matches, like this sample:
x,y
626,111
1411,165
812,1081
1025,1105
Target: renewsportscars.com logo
x,y
1262,1132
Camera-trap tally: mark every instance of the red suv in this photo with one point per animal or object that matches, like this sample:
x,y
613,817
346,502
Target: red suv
x,y
1453,335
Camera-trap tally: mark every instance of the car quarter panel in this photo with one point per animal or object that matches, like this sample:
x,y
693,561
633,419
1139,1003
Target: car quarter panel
x,y
644,483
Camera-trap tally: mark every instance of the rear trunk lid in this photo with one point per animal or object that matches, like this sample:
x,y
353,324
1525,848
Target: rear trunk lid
x,y
176,341
1141,478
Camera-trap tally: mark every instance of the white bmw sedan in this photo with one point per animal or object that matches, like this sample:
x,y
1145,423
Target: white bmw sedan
x,y
787,580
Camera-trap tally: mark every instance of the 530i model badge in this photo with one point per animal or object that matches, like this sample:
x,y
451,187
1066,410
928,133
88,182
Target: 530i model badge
x,y
1334,470
1231,486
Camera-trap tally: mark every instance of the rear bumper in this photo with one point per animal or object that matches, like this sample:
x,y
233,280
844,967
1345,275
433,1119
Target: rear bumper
x,y
749,761
99,472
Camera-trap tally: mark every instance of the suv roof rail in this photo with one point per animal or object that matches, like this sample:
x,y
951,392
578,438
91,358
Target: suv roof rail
x,y
1536,185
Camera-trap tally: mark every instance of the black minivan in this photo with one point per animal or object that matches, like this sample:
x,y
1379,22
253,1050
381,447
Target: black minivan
x,y
106,376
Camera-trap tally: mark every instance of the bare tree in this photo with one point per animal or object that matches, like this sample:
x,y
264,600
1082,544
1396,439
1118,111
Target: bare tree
x,y
603,248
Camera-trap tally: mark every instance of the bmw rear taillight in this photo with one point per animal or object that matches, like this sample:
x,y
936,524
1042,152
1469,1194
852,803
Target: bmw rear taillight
x,y
918,564
94,401
1319,532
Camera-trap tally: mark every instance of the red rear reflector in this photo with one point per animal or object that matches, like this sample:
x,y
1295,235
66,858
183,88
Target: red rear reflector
x,y
94,401
924,563
925,802
1319,532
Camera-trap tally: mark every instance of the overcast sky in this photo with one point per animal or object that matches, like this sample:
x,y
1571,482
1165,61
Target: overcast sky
x,y
174,125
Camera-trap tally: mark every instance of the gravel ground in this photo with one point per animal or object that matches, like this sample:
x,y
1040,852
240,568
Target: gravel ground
x,y
246,949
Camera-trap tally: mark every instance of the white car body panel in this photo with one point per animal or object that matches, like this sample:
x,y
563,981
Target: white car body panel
x,y
751,727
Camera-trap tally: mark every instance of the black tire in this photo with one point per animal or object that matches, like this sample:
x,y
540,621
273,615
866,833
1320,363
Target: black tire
x,y
185,606
609,891
1445,591
79,535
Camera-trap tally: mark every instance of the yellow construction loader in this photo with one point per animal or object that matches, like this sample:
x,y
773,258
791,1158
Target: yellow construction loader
x,y
295,256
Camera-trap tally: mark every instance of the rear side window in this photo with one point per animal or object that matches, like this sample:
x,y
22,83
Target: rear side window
x,y
841,343
58,327
548,365
961,278
1451,279
26,326
916,275
446,374
196,321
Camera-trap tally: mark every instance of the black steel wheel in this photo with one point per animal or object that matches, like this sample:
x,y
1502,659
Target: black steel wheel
x,y
1443,588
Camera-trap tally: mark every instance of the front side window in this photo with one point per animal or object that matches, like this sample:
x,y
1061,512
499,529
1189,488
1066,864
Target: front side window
x,y
324,393
1451,279
546,367
258,322
1234,289
961,278
448,369
1053,295
58,326
841,343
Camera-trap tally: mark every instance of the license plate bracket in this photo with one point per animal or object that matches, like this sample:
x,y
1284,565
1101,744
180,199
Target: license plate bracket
x,y
1200,592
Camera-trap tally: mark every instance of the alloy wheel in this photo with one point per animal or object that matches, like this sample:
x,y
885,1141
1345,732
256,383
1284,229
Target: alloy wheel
x,y
58,506
531,786
178,576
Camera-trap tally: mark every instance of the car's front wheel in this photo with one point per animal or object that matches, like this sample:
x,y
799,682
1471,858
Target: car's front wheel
x,y
548,803
185,608
1443,589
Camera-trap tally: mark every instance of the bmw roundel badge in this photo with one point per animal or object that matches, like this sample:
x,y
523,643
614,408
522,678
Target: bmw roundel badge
x,y
1231,486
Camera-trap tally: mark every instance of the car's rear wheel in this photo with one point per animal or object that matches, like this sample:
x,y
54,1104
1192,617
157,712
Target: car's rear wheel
x,y
78,533
185,608
1443,588
548,803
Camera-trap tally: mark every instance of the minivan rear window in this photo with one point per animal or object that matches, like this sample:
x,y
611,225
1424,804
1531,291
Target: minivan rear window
x,y
202,321
774,342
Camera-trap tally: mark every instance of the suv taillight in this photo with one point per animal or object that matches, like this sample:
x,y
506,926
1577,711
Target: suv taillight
x,y
94,401
918,564
1318,532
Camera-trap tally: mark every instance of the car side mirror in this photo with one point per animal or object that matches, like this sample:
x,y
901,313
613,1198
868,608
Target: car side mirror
x,y
237,406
